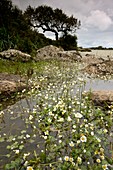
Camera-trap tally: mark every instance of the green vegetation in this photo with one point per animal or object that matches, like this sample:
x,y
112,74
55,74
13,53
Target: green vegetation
x,y
21,68
16,27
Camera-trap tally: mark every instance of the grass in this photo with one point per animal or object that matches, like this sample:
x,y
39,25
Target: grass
x,y
21,68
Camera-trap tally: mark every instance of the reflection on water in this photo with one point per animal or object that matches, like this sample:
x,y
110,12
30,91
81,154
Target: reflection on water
x,y
99,85
14,126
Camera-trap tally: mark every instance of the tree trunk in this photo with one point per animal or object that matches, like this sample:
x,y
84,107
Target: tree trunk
x,y
56,36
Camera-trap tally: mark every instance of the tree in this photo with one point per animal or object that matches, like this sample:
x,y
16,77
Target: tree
x,y
51,20
68,42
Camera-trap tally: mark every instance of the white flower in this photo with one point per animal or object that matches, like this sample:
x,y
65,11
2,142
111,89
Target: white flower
x,y
84,150
49,120
98,140
98,160
61,119
86,125
78,141
73,163
83,138
1,113
74,126
60,136
25,155
45,137
80,79
73,130
51,114
60,141
27,136
60,159
105,130
13,139
29,168
16,151
71,159
66,158
78,115
46,132
26,163
63,112
104,167
79,160
30,117
92,133
71,144
69,119
102,157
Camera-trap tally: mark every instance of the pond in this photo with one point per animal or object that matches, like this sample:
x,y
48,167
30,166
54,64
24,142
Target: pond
x,y
21,123
13,122
100,53
97,84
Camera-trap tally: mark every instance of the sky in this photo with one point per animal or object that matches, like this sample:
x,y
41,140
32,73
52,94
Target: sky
x,y
96,18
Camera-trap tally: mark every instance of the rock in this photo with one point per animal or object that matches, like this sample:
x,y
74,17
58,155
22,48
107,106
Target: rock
x,y
10,84
90,59
15,55
11,77
52,52
8,87
101,68
101,97
69,55
47,52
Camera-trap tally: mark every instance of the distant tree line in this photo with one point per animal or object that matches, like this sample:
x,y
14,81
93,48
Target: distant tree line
x,y
101,48
20,30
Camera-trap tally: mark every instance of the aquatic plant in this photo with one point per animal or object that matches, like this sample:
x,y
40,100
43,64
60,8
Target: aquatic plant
x,y
61,129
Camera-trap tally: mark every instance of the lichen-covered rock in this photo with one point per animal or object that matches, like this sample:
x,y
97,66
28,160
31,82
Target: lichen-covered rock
x,y
101,68
69,55
8,87
52,52
15,55
47,52
101,97
10,84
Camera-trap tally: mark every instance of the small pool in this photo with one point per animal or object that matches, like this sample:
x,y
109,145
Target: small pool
x,y
99,85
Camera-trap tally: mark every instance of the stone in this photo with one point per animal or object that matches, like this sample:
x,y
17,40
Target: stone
x,y
10,84
47,52
90,59
101,68
70,55
52,52
15,55
101,96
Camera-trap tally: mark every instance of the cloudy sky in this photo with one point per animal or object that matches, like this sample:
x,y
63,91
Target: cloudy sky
x,y
96,17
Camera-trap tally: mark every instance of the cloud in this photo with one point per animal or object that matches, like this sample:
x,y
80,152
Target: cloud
x,y
99,19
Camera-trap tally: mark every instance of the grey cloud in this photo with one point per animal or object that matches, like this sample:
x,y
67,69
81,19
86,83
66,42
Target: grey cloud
x,y
99,19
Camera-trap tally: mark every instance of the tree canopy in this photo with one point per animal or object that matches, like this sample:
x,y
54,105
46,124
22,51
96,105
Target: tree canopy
x,y
15,32
51,20
16,27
